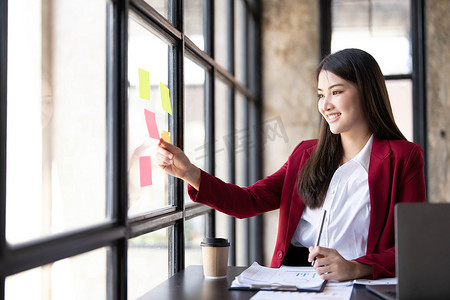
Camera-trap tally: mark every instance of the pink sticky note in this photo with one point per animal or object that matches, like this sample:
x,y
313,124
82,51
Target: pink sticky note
x,y
145,166
151,124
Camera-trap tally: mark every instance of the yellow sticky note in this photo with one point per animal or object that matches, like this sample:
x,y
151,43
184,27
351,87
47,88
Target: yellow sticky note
x,y
165,136
165,98
144,84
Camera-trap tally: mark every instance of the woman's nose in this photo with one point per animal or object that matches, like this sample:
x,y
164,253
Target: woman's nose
x,y
326,104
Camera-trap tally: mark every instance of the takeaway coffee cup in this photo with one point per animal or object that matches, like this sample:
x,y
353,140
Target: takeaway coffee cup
x,y
215,257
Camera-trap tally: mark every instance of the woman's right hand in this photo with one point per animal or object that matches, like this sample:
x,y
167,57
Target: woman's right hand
x,y
172,160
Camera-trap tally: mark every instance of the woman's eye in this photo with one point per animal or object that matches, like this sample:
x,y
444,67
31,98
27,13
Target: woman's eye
x,y
319,96
336,92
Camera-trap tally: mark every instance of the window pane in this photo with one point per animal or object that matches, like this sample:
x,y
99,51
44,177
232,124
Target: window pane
x,y
194,115
147,70
193,22
222,129
253,59
221,33
221,149
56,136
240,32
400,94
79,277
241,139
381,27
194,234
148,257
161,6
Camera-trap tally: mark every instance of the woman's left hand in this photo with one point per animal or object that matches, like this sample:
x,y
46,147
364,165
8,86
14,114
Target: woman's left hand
x,y
330,265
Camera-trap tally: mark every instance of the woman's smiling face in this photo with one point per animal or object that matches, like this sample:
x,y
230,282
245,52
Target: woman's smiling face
x,y
340,104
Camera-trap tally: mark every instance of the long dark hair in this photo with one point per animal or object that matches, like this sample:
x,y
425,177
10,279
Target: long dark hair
x,y
360,68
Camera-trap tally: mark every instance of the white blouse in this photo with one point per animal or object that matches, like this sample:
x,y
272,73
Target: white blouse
x,y
347,203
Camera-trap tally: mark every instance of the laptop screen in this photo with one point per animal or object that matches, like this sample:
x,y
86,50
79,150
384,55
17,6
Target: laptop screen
x,y
422,250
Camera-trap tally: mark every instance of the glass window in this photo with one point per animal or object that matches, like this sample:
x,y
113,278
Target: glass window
x,y
400,95
194,115
194,234
241,136
67,158
381,27
161,6
148,257
222,130
193,22
221,33
56,130
241,242
221,147
253,50
147,119
78,277
240,17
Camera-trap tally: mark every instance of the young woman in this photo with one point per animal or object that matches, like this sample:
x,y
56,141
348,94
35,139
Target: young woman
x,y
357,170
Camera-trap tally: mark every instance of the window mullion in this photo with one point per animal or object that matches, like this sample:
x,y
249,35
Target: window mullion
x,y
209,28
231,171
3,116
208,8
231,128
117,182
325,27
255,124
209,141
246,60
176,126
419,77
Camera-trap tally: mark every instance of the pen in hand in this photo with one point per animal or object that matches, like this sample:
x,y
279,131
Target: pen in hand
x,y
319,234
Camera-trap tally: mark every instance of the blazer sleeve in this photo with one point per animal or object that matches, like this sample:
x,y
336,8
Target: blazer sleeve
x,y
410,188
244,202
240,202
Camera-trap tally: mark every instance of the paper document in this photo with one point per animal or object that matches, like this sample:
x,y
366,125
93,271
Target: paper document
x,y
284,278
329,293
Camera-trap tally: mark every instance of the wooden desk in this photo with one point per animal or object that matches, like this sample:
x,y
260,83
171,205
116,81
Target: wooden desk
x,y
190,284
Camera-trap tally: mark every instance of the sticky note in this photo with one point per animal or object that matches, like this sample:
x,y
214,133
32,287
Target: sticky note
x,y
165,135
151,124
144,84
145,167
165,98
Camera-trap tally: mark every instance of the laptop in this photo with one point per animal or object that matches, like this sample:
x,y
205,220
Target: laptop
x,y
422,236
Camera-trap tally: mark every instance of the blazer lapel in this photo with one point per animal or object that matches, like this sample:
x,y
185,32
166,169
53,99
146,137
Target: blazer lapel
x,y
297,206
379,187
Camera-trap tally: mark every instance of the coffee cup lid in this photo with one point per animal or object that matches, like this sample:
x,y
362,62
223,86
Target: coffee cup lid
x,y
215,242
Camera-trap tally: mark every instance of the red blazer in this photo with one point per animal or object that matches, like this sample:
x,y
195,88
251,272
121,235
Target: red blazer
x,y
395,175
